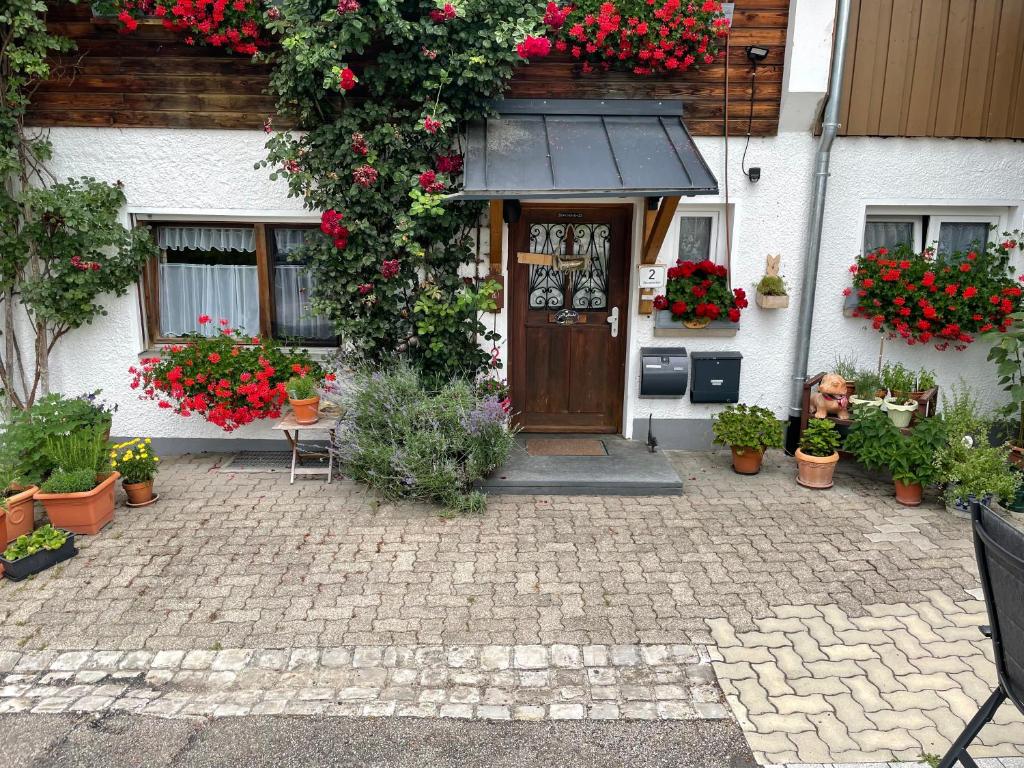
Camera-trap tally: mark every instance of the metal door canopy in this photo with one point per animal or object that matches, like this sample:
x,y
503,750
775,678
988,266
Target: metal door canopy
x,y
583,148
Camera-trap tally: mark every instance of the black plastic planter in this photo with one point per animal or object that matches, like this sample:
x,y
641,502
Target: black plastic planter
x,y
17,570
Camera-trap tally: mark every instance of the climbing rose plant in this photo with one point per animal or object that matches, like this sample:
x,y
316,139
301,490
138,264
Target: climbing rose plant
x,y
947,301
379,152
646,37
234,25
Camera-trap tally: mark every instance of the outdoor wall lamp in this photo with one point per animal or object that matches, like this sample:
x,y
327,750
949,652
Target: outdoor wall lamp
x,y
511,211
756,54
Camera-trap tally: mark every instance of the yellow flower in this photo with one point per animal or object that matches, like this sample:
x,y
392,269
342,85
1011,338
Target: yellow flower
x,y
113,463
113,454
128,456
156,458
148,441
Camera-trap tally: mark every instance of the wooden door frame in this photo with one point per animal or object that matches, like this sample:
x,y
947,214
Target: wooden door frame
x,y
516,309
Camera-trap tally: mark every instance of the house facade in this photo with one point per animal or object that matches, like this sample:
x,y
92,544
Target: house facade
x,y
929,151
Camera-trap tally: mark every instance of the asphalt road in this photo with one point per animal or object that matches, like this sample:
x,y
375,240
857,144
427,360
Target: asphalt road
x,y
131,741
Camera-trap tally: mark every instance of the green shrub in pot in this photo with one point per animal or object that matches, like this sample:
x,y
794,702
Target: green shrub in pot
x,y
748,430
982,472
898,379
817,456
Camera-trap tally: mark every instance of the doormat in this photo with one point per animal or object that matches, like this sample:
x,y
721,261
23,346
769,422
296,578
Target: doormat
x,y
565,447
263,461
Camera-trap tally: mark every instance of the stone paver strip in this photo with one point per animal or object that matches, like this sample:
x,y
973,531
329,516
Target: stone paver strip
x,y
435,681
894,695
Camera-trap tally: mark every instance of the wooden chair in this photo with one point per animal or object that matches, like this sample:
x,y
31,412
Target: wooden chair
x,y
999,548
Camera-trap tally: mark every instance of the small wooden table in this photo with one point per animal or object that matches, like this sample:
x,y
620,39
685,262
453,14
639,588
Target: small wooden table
x,y
291,429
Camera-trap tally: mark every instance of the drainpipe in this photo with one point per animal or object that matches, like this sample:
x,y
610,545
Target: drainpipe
x,y
829,128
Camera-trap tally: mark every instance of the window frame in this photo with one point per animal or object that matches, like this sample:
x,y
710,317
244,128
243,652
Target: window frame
x,y
936,221
716,245
150,280
917,220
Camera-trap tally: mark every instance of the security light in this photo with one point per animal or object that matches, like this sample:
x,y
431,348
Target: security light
x,y
511,211
756,54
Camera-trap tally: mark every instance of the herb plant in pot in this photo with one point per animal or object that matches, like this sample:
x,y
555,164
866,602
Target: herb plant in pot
x,y
879,444
304,398
138,465
31,553
981,473
748,430
16,500
76,496
1007,353
866,389
817,456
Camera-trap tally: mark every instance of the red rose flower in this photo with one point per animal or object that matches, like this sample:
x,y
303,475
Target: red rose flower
x,y
347,80
533,47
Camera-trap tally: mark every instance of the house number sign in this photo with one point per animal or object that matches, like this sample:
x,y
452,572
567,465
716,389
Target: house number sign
x,y
652,276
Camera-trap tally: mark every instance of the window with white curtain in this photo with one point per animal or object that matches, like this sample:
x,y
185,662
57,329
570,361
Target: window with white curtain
x,y
948,232
698,236
241,273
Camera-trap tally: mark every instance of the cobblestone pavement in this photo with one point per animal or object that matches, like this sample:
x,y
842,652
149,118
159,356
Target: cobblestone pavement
x,y
251,564
814,685
523,682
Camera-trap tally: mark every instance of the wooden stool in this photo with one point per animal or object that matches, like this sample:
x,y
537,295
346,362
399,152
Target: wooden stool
x,y
291,429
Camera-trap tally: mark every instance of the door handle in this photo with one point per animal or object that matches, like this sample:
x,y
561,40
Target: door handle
x,y
613,321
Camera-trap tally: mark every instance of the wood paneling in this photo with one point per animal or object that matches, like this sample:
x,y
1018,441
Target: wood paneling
x,y
935,68
150,78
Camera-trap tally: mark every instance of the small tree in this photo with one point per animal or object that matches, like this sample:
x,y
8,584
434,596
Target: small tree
x,y
62,245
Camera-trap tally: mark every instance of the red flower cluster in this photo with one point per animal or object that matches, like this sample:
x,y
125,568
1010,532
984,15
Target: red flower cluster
x,y
643,36
430,184
534,47
219,379
365,176
389,268
330,225
347,79
947,301
359,145
234,25
430,125
699,290
347,6
84,266
450,164
441,15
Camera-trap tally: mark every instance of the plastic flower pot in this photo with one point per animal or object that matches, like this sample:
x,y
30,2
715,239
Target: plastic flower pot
x,y
23,567
874,403
815,471
306,411
908,494
900,415
87,512
18,518
138,493
746,461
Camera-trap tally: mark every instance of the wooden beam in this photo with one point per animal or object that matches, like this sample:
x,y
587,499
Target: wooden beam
x,y
655,229
496,225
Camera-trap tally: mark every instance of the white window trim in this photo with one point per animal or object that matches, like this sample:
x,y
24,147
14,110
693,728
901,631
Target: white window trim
x,y
936,221
916,220
716,247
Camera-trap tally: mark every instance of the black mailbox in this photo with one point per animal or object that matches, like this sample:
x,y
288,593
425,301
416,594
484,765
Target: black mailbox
x,y
716,377
663,371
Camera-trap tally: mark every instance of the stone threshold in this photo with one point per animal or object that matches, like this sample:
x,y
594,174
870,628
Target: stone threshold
x,y
521,682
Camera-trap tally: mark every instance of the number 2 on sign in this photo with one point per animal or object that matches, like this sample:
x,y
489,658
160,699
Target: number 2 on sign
x,y
652,276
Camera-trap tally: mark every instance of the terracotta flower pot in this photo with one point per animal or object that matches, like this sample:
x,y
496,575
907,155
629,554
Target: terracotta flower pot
x,y
306,411
815,471
747,461
909,495
18,518
138,493
1017,456
85,512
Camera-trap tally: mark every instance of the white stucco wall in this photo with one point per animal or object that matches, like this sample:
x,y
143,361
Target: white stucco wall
x,y
210,174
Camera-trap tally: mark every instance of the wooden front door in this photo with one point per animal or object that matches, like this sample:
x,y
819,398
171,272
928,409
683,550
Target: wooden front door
x,y
568,328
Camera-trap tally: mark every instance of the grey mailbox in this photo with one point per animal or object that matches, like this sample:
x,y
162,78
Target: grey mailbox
x,y
663,371
716,377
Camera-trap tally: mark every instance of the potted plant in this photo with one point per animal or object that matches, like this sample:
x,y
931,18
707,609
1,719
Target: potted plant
x,y
770,292
981,473
900,414
898,380
16,500
748,430
138,465
76,496
867,388
1007,353
847,368
924,381
304,398
698,292
31,553
817,456
879,444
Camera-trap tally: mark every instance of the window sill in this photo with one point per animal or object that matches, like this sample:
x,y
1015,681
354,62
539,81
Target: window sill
x,y
665,326
319,354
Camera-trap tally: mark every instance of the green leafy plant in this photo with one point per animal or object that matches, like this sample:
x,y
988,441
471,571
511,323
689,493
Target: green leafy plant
x,y
26,437
980,472
867,383
72,481
925,380
442,319
747,427
821,438
301,387
898,379
409,439
81,449
967,425
771,285
135,460
1007,353
878,444
845,367
45,537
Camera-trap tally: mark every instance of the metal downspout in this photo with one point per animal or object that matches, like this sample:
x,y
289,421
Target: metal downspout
x,y
829,128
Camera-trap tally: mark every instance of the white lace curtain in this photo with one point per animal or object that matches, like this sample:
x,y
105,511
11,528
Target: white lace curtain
x,y
293,288
961,236
229,291
887,234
